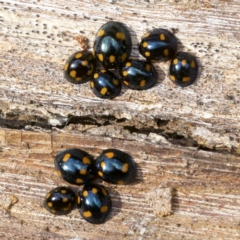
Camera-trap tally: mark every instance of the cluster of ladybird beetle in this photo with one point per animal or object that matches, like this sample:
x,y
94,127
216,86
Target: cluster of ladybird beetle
x,y
112,49
78,167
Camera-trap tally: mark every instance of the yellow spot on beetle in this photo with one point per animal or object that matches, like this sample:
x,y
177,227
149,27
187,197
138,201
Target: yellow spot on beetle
x,y
120,182
87,214
124,56
92,84
126,83
128,64
144,44
49,204
78,200
73,73
66,157
103,70
66,67
125,167
63,191
115,82
53,211
64,199
148,67
166,52
142,83
83,171
184,62
86,160
146,35
112,58
90,70
162,37
59,173
65,209
186,79
172,78
193,65
175,61
101,33
120,35
147,54
100,173
78,79
124,73
94,190
100,57
78,55
109,154
103,165
79,180
104,209
84,63
95,75
85,193
103,91
104,192
48,195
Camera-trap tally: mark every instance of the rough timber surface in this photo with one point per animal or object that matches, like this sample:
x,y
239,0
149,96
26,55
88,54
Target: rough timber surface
x,y
186,141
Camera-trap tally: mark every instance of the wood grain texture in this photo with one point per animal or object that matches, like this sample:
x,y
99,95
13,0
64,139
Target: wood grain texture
x,y
186,141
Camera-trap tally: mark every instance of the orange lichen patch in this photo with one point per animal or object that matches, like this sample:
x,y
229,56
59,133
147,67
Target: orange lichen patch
x,y
83,42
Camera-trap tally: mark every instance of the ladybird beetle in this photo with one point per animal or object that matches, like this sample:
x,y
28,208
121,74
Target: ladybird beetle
x,y
75,166
115,166
138,75
112,44
158,45
105,84
94,203
183,69
79,67
60,201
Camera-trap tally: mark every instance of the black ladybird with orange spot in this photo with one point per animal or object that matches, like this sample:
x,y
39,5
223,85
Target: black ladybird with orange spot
x,y
138,75
60,201
158,45
79,67
112,45
115,166
74,166
183,69
94,203
105,84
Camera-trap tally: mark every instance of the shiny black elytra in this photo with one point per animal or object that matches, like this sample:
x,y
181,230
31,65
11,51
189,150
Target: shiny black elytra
x,y
60,201
74,166
94,203
138,75
158,45
183,69
105,84
79,67
115,166
112,45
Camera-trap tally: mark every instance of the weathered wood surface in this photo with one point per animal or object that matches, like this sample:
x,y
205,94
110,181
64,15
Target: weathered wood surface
x,y
185,141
